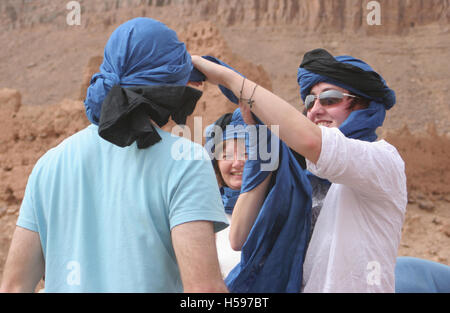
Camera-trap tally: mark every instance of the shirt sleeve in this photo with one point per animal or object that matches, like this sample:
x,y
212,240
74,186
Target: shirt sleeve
x,y
27,216
195,195
374,169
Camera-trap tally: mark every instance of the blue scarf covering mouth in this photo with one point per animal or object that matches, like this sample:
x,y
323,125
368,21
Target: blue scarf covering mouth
x,y
140,52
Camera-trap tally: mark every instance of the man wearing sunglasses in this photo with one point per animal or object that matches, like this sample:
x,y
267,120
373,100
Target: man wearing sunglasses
x,y
358,184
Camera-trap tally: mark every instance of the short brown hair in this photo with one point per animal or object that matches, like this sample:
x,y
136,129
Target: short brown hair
x,y
359,103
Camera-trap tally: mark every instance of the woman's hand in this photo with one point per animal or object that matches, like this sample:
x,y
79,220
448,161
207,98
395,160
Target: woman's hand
x,y
297,131
215,73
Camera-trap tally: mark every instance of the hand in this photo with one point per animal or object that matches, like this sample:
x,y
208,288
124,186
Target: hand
x,y
214,72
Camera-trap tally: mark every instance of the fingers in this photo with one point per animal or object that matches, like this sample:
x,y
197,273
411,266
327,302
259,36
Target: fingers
x,y
211,70
195,58
197,61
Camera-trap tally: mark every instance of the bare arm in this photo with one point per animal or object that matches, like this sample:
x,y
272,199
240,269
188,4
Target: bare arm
x,y
297,131
195,249
245,211
25,264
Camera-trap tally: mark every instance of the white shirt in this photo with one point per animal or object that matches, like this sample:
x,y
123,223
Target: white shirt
x,y
355,240
228,258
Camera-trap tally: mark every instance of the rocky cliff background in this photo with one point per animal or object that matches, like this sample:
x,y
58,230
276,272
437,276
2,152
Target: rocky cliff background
x,y
46,65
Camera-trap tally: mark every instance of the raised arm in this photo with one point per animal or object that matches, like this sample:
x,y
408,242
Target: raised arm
x,y
245,212
297,131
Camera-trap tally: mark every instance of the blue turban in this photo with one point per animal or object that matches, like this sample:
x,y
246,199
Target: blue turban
x,y
140,52
355,76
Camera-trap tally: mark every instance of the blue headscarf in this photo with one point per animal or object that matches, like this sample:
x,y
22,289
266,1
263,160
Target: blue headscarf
x,y
272,256
229,196
360,124
140,52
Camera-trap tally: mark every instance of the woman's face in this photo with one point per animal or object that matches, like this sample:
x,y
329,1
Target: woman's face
x,y
231,162
331,115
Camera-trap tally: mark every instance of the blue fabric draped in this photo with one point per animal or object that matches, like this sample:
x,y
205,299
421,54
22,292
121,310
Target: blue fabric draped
x,y
414,275
229,198
272,256
140,52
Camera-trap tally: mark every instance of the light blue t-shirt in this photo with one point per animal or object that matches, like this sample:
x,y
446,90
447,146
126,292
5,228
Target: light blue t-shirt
x,y
104,213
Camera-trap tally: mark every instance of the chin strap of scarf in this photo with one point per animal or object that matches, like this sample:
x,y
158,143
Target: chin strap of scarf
x,y
140,53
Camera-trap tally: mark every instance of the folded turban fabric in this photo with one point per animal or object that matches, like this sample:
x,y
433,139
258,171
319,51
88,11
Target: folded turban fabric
x,y
345,71
355,76
140,52
125,112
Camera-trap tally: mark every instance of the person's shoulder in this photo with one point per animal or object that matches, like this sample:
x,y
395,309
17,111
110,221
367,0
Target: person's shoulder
x,y
172,137
181,148
54,153
390,149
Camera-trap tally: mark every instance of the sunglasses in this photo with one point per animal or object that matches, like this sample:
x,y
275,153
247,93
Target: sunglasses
x,y
328,97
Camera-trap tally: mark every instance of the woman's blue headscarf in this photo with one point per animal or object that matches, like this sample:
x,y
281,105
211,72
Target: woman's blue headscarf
x,y
272,256
140,52
346,72
229,196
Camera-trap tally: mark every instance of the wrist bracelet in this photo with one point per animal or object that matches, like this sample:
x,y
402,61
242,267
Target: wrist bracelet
x,y
250,101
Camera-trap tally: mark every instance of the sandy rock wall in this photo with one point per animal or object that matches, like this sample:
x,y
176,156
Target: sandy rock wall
x,y
397,16
44,63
